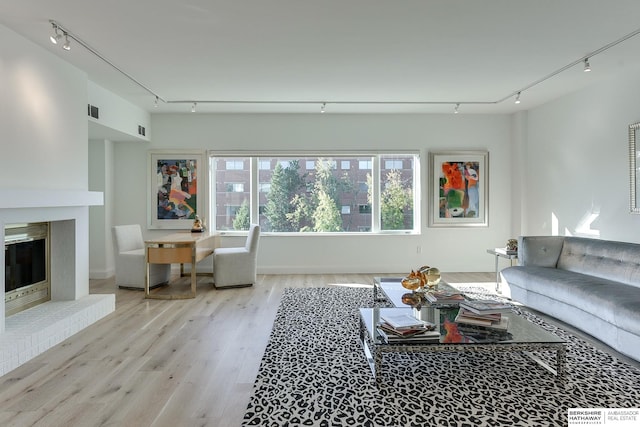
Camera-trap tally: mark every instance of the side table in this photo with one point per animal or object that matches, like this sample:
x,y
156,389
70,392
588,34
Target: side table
x,y
501,253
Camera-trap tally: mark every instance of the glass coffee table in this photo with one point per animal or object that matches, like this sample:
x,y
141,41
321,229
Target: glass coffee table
x,y
521,335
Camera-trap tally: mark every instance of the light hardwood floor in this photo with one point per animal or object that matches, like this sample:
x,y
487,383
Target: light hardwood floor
x,y
162,362
157,362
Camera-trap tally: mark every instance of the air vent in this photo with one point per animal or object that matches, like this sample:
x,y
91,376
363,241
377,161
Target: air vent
x,y
141,130
92,111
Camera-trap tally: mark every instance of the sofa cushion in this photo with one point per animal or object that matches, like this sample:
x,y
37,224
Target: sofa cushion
x,y
613,302
540,250
616,261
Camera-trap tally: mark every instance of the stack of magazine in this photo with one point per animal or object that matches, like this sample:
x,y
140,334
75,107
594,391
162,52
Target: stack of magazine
x,y
404,327
445,298
484,319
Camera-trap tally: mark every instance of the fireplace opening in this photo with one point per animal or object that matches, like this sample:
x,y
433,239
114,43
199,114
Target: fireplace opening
x,y
26,255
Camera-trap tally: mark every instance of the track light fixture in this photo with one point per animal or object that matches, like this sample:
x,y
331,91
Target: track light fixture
x,y
455,109
517,101
67,43
155,104
587,67
56,36
322,107
193,107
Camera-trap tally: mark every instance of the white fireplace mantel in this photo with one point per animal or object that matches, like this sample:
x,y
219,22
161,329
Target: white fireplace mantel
x,y
30,332
43,198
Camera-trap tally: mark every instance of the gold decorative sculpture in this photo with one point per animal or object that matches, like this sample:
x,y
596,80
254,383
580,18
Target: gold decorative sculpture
x,y
198,226
425,276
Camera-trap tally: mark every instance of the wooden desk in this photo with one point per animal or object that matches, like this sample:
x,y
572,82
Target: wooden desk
x,y
179,248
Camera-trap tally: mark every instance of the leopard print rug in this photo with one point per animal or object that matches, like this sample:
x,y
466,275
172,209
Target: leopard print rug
x,y
314,373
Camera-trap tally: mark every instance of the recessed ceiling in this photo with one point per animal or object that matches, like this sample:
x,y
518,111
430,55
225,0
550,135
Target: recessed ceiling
x,y
357,56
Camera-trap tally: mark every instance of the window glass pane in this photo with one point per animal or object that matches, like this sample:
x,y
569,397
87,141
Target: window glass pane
x,y
314,199
232,193
396,192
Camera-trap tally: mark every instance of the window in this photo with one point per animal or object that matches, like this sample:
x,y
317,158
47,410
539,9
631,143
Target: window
x,y
393,164
235,187
234,165
364,164
264,165
310,194
264,187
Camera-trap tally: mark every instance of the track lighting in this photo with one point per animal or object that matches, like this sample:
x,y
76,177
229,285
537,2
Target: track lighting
x,y
67,43
60,32
56,36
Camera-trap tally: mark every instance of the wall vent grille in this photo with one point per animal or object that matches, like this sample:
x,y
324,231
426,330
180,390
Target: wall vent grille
x,y
93,111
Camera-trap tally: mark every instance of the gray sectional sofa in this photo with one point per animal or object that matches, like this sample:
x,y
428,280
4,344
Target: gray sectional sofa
x,y
591,284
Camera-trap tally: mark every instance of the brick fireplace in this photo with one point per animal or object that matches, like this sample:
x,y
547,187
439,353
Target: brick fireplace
x,y
28,333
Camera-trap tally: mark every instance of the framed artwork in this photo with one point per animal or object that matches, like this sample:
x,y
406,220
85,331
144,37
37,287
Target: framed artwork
x,y
458,189
176,188
633,168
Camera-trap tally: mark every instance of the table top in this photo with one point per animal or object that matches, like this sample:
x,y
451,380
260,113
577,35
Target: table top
x,y
519,330
394,291
183,237
502,252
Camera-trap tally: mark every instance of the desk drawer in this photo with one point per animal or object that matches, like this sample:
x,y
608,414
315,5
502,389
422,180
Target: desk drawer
x,y
179,255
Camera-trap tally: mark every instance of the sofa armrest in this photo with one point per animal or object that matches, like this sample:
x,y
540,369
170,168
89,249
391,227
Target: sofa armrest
x,y
542,251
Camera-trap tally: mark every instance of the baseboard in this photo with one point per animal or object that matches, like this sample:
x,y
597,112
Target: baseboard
x,y
102,274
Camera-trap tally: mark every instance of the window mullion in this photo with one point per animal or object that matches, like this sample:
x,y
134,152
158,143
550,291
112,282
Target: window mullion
x,y
254,190
375,194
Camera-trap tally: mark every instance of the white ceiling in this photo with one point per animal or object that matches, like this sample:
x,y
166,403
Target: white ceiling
x,y
314,51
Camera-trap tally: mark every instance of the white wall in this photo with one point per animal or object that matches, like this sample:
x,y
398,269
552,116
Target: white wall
x,y
577,162
43,122
101,259
117,114
43,145
461,249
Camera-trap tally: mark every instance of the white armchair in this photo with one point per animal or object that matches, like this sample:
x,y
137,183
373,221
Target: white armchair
x,y
236,267
130,260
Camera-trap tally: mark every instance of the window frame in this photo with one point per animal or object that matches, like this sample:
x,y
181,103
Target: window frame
x,y
376,168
